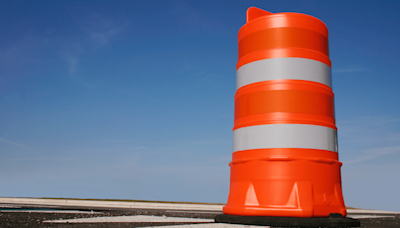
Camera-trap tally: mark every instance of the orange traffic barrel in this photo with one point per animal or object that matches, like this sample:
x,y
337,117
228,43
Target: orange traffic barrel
x,y
285,154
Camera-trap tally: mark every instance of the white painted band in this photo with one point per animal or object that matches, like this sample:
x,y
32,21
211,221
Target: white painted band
x,y
285,136
283,68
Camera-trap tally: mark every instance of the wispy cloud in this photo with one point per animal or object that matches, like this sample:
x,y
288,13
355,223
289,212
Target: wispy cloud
x,y
102,38
94,31
373,154
13,143
367,138
73,72
351,69
98,30
72,64
52,159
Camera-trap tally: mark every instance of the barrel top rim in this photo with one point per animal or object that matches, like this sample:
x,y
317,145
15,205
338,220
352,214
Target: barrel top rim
x,y
266,14
289,15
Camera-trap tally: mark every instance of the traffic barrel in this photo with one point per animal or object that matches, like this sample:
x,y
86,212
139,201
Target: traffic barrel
x,y
285,154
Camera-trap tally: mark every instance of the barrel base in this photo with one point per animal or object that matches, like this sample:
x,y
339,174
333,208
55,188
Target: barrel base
x,y
334,220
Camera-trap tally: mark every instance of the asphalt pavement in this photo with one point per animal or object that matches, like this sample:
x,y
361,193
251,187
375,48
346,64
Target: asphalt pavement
x,y
28,212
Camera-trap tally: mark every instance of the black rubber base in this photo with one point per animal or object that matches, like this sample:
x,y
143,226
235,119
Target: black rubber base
x,y
334,220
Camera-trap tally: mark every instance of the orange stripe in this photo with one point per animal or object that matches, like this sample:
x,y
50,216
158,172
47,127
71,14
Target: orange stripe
x,y
284,118
284,101
283,38
306,154
279,20
282,53
284,84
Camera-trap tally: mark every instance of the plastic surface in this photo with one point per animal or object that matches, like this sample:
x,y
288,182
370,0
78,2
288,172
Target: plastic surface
x,y
285,160
282,35
284,101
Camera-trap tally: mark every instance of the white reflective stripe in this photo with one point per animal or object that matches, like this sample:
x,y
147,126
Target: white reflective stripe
x,y
283,68
285,136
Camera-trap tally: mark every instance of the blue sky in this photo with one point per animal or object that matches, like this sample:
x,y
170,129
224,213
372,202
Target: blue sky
x,y
134,99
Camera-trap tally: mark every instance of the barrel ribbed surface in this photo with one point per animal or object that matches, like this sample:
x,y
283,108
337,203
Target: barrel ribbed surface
x,y
285,154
